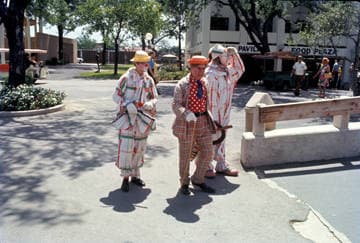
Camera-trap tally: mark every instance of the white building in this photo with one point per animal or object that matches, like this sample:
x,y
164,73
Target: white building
x,y
218,25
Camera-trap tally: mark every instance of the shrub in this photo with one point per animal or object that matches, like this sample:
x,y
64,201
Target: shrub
x,y
28,97
172,75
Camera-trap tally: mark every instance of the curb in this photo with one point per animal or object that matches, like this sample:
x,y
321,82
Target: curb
x,y
32,112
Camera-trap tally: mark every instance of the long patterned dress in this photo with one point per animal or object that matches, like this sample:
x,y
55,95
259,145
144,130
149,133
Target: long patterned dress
x,y
221,82
133,134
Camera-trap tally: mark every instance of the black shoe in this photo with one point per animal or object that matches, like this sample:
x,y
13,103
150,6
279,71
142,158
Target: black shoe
x,y
204,187
125,185
184,189
137,181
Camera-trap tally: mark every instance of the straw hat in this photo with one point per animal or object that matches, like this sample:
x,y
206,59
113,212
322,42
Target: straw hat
x,y
198,60
140,56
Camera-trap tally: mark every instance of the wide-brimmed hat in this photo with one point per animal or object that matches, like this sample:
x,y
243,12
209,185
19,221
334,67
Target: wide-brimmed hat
x,y
217,50
140,56
198,60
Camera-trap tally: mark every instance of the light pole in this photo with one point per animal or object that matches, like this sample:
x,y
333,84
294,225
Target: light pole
x,y
148,37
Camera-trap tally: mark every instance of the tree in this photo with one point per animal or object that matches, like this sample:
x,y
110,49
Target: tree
x,y
148,20
60,13
179,15
95,15
12,16
334,20
85,42
256,16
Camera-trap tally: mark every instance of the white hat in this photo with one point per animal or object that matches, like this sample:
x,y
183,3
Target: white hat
x,y
217,50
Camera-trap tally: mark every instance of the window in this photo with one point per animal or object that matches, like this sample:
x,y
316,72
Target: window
x,y
219,23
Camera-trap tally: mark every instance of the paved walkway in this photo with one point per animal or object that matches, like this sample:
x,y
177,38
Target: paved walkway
x,y
58,182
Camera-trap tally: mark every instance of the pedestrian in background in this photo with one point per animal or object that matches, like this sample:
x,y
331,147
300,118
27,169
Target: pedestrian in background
x,y
152,67
193,125
136,97
324,74
222,74
298,73
335,75
97,57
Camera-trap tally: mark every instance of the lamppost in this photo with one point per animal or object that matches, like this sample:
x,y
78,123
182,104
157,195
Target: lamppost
x,y
148,37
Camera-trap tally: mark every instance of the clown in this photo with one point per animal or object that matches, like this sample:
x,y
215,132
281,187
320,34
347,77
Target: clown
x,y
193,125
223,72
136,97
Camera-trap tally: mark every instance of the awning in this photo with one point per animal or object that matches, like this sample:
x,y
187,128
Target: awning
x,y
276,55
40,51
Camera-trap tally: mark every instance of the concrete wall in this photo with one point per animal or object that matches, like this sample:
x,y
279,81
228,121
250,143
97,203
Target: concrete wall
x,y
303,144
262,144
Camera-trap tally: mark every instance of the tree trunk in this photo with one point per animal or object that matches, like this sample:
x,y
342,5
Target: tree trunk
x,y
14,25
179,51
355,82
103,54
116,56
61,44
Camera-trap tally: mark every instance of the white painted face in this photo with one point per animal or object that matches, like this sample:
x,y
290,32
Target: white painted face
x,y
223,59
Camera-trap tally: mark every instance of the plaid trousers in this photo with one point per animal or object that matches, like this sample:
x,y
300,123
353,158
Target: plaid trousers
x,y
200,133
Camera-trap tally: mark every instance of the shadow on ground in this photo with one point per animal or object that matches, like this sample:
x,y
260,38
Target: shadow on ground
x,y
126,202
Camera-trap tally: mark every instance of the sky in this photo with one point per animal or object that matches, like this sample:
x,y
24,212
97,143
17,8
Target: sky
x,y
52,30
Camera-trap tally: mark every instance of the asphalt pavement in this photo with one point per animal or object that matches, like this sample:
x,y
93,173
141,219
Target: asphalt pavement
x,y
58,182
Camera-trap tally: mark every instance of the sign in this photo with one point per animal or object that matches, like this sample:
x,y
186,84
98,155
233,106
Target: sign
x,y
308,51
248,49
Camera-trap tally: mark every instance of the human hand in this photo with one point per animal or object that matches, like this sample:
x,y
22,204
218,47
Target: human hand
x,y
190,117
131,108
231,50
148,105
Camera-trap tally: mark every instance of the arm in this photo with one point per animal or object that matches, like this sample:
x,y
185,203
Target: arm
x,y
118,94
178,104
235,65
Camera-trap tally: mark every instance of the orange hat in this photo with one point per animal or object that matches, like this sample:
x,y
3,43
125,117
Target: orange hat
x,y
198,60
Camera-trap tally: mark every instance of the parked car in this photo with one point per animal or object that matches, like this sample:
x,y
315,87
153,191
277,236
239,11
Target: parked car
x,y
278,80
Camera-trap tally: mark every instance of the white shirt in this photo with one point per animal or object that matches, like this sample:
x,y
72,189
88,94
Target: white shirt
x,y
300,68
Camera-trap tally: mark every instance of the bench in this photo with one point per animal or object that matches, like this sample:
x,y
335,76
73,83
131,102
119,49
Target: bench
x,y
263,144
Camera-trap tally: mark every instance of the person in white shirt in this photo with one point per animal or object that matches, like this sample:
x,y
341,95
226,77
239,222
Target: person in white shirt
x,y
298,72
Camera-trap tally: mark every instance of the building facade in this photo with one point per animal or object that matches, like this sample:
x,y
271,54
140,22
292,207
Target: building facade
x,y
218,25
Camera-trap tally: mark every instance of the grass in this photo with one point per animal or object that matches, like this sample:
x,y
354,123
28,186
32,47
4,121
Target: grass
x,y
107,72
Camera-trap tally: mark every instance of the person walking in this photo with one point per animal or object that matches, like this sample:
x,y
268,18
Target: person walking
x,y
298,72
222,74
324,76
152,68
193,125
135,95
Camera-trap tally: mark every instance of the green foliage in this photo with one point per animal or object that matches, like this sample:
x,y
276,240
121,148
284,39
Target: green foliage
x,y
170,73
28,97
85,42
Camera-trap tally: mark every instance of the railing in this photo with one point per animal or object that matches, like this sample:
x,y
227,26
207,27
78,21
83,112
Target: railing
x,y
340,109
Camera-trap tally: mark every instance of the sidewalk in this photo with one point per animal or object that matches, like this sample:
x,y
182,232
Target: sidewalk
x,y
58,182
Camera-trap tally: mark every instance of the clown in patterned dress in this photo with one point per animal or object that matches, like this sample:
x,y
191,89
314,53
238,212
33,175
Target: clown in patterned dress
x,y
223,72
135,95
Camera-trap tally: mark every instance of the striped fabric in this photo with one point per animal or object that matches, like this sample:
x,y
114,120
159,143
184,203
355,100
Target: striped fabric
x,y
131,87
220,84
